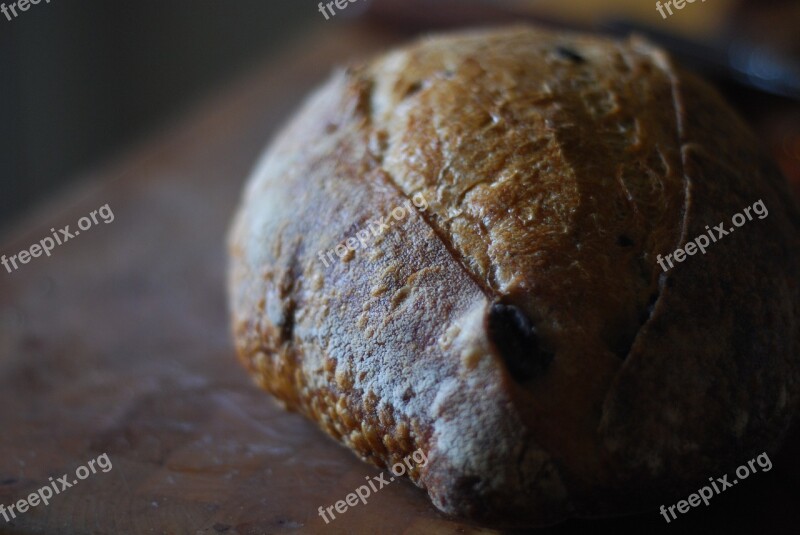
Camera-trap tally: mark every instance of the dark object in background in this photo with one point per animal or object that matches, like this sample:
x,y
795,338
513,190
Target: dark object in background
x,y
774,23
82,79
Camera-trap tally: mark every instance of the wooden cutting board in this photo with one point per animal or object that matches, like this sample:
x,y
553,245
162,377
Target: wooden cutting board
x,y
118,344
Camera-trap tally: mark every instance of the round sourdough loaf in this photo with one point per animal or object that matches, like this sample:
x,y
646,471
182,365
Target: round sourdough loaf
x,y
454,248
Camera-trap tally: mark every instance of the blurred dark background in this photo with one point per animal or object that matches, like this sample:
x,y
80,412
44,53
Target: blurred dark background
x,y
80,81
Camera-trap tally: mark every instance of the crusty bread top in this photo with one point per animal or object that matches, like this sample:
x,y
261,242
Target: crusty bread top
x,y
519,329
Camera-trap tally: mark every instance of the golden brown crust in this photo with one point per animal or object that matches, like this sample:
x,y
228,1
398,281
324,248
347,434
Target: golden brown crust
x,y
519,329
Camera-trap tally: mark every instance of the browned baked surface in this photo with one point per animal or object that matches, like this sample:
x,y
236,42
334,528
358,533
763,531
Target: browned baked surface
x,y
519,330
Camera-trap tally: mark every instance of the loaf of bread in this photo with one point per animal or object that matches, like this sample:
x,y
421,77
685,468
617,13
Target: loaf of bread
x,y
455,247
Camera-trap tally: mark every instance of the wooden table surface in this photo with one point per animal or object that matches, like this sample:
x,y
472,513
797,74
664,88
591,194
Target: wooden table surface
x,y
118,343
